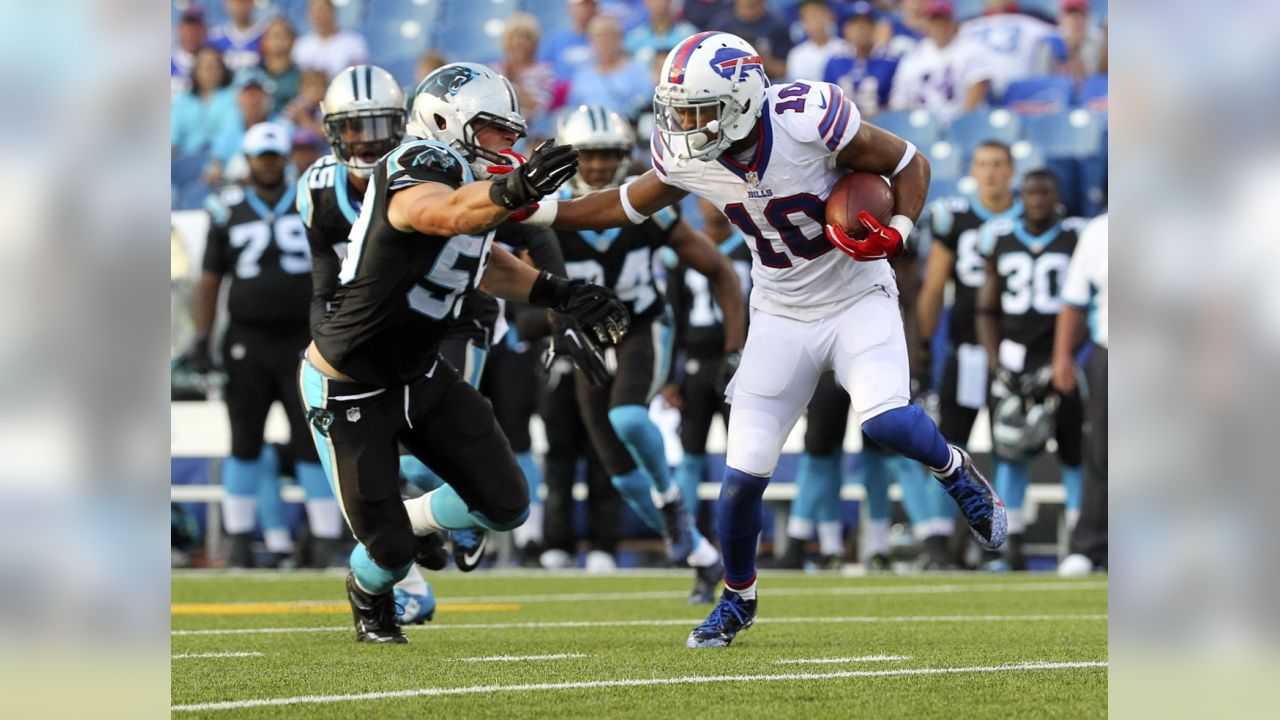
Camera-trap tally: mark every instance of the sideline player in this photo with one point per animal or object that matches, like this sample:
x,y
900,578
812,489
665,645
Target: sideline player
x,y
769,156
373,377
615,406
257,239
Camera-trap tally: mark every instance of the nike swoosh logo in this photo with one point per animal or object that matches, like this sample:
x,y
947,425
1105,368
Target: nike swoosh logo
x,y
823,104
473,558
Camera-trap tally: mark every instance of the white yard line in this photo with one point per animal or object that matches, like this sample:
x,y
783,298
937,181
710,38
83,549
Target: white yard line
x,y
838,661
661,622
513,658
184,656
639,682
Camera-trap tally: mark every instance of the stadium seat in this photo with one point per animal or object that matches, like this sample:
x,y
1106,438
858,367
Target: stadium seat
x,y
1040,95
940,188
945,161
983,124
1073,134
916,126
186,168
1026,157
399,32
551,14
1093,95
473,31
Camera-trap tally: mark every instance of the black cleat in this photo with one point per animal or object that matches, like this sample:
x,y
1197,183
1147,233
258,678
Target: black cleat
x,y
879,563
705,580
430,552
675,532
240,550
934,555
829,563
374,615
468,548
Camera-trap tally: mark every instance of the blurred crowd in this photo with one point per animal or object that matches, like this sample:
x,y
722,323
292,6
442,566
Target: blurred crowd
x,y
949,76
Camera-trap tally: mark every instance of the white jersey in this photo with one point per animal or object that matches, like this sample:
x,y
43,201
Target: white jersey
x,y
778,196
1018,44
939,79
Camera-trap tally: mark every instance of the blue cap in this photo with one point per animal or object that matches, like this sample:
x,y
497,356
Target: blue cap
x,y
859,9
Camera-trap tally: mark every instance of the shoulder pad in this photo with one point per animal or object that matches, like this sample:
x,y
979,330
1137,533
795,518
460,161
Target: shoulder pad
x,y
219,204
426,161
814,112
319,176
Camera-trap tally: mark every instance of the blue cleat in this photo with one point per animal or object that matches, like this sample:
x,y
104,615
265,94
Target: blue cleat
x,y
468,548
414,609
730,616
676,533
978,502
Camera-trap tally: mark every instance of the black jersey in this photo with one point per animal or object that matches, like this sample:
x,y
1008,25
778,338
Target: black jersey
x,y
1031,270
956,222
699,321
399,292
621,259
264,250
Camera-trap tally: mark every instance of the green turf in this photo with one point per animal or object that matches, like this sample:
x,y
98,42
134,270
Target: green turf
x,y
882,616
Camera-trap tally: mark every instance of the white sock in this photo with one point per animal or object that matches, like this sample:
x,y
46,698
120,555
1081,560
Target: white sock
x,y
278,540
413,583
799,528
952,464
325,518
831,538
239,513
704,555
420,516
1017,521
747,593
531,530
875,538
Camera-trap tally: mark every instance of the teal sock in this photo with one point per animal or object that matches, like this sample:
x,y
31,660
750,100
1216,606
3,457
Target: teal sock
x,y
875,479
828,479
271,507
634,489
644,441
372,577
688,476
451,512
1072,481
805,505
419,475
313,481
1012,479
915,483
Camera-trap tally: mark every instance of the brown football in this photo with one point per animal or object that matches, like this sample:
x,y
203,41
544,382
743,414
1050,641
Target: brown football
x,y
854,193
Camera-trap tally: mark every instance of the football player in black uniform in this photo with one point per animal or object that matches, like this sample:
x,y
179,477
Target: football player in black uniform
x,y
257,239
1017,307
952,232
372,378
616,407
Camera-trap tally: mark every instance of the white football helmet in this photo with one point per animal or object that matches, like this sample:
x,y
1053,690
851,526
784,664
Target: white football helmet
x,y
456,100
364,105
595,127
717,81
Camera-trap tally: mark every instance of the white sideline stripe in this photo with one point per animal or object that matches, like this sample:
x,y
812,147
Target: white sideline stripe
x,y
511,658
837,661
657,623
777,592
692,680
183,656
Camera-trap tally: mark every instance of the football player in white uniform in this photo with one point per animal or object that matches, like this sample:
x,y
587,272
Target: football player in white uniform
x,y
768,158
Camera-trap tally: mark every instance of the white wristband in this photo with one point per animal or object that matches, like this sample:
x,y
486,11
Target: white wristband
x,y
545,215
905,161
903,225
635,216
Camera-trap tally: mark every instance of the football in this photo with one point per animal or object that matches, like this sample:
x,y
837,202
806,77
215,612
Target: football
x,y
854,193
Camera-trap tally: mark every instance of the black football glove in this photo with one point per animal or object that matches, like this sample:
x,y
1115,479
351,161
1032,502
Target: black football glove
x,y
197,358
728,366
549,167
592,307
586,354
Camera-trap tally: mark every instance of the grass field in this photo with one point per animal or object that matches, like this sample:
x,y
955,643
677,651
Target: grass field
x,y
539,645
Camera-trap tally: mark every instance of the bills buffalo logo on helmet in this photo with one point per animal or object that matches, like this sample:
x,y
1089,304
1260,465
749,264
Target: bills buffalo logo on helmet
x,y
447,82
734,64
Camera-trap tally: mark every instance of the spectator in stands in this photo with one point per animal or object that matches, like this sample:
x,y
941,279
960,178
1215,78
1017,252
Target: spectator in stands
x,y
611,79
305,148
1020,45
198,116
1085,42
535,81
253,102
240,38
769,35
304,110
808,60
898,33
191,36
661,30
327,47
944,73
283,75
428,62
568,49
864,73
702,12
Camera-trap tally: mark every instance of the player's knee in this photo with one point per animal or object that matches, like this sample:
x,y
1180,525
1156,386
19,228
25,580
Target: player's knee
x,y
392,548
891,426
245,448
754,455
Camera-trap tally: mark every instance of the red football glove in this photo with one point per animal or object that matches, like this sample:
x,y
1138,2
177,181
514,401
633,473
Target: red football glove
x,y
523,213
516,160
882,242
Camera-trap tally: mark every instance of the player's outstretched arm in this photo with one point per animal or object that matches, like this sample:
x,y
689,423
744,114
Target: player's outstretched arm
x,y
606,209
988,314
699,253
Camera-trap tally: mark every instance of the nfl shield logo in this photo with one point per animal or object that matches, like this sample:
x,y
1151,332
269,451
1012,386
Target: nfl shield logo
x,y
753,178
353,414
